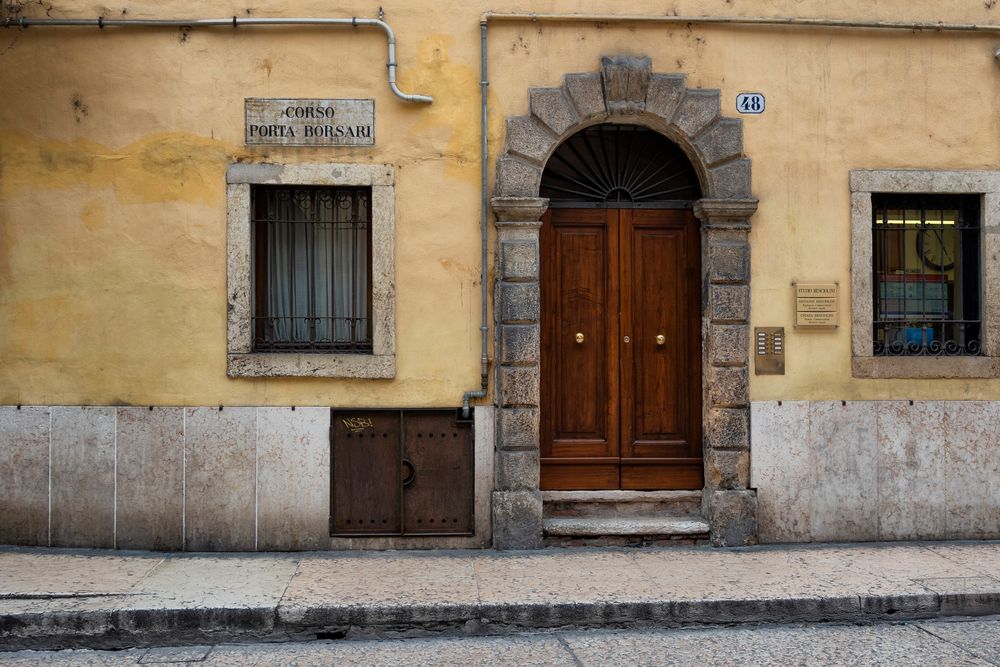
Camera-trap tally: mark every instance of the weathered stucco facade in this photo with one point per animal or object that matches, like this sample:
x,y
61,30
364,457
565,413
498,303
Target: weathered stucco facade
x,y
135,416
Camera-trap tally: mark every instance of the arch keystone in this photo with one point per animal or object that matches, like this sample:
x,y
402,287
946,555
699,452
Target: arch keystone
x,y
626,80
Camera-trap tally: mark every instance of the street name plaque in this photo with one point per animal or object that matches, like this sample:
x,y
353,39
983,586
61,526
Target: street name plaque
x,y
309,122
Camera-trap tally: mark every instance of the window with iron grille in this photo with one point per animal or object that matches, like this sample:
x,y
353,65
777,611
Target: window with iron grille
x,y
312,269
926,275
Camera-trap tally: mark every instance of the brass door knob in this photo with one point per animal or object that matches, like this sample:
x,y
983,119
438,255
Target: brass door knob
x,y
579,338
661,339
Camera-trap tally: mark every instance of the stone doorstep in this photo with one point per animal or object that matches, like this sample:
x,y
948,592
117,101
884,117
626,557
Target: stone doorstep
x,y
604,526
621,504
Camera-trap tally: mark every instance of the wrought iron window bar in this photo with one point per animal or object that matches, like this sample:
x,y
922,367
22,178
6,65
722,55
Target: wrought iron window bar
x,y
312,269
926,275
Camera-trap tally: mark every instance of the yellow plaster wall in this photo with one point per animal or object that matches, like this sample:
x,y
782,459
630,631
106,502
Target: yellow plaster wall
x,y
114,146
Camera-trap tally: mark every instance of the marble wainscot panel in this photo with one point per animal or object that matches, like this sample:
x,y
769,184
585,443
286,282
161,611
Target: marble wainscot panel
x,y
24,475
293,478
150,481
878,470
220,468
83,477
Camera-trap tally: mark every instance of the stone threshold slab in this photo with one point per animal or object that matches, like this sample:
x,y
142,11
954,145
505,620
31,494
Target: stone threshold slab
x,y
619,496
624,526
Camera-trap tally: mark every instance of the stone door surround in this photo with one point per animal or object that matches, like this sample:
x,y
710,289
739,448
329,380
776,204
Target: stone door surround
x,y
625,91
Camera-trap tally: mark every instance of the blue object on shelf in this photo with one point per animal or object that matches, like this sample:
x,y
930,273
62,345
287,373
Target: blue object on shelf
x,y
921,336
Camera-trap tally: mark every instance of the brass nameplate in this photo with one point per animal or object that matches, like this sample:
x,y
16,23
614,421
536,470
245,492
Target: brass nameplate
x,y
816,305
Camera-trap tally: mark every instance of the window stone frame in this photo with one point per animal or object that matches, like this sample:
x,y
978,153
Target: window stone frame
x,y
866,182
241,360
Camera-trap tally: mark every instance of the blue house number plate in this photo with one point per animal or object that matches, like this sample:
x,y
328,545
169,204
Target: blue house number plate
x,y
750,103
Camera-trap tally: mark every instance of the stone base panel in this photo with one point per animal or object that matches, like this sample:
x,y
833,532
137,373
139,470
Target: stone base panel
x,y
832,471
198,479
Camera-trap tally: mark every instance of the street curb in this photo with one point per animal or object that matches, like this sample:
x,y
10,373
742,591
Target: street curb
x,y
123,628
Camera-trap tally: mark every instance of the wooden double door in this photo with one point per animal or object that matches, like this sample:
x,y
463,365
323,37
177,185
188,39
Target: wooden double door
x,y
621,349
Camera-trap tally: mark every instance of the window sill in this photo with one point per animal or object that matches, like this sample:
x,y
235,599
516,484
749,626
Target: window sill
x,y
370,366
925,367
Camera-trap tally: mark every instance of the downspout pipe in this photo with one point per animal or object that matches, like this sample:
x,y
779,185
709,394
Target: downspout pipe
x,y
484,229
235,22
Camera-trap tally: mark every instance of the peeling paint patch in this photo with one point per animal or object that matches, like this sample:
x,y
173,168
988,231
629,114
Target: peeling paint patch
x,y
166,167
455,87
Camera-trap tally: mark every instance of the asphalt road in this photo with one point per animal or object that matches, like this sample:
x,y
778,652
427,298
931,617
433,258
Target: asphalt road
x,y
938,643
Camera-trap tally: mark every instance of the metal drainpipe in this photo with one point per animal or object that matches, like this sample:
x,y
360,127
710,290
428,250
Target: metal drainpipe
x,y
235,22
484,326
777,21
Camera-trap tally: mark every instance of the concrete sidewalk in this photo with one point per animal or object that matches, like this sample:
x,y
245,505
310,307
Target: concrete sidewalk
x,y
63,598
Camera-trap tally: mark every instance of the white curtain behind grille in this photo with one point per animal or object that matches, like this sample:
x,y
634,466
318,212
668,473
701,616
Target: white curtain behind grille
x,y
317,267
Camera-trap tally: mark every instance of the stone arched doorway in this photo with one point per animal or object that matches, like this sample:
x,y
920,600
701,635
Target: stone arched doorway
x,y
625,91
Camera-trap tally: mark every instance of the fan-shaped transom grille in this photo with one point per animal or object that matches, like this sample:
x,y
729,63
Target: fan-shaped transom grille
x,y
620,166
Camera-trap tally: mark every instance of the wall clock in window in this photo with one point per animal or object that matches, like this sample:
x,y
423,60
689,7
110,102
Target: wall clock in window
x,y
934,249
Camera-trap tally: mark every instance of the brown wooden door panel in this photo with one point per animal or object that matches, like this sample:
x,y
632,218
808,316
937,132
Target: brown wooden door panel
x,y
580,385
438,497
366,494
571,474
661,383
661,474
619,414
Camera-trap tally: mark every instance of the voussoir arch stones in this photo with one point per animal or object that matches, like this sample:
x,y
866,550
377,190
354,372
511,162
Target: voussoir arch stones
x,y
626,91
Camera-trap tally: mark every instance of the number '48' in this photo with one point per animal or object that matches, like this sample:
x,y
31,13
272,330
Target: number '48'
x,y
750,103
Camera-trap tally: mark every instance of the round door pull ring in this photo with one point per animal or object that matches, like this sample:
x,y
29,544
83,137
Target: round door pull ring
x,y
410,472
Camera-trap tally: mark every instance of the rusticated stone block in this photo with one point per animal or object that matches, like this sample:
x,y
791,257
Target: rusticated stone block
x,y
727,428
527,137
517,428
519,386
696,110
518,260
721,141
517,470
517,519
586,93
730,180
728,303
727,387
550,106
665,92
626,81
727,469
519,344
729,262
734,518
517,178
518,303
728,344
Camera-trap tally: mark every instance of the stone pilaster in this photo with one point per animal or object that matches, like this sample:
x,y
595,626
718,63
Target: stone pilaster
x,y
730,505
517,501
